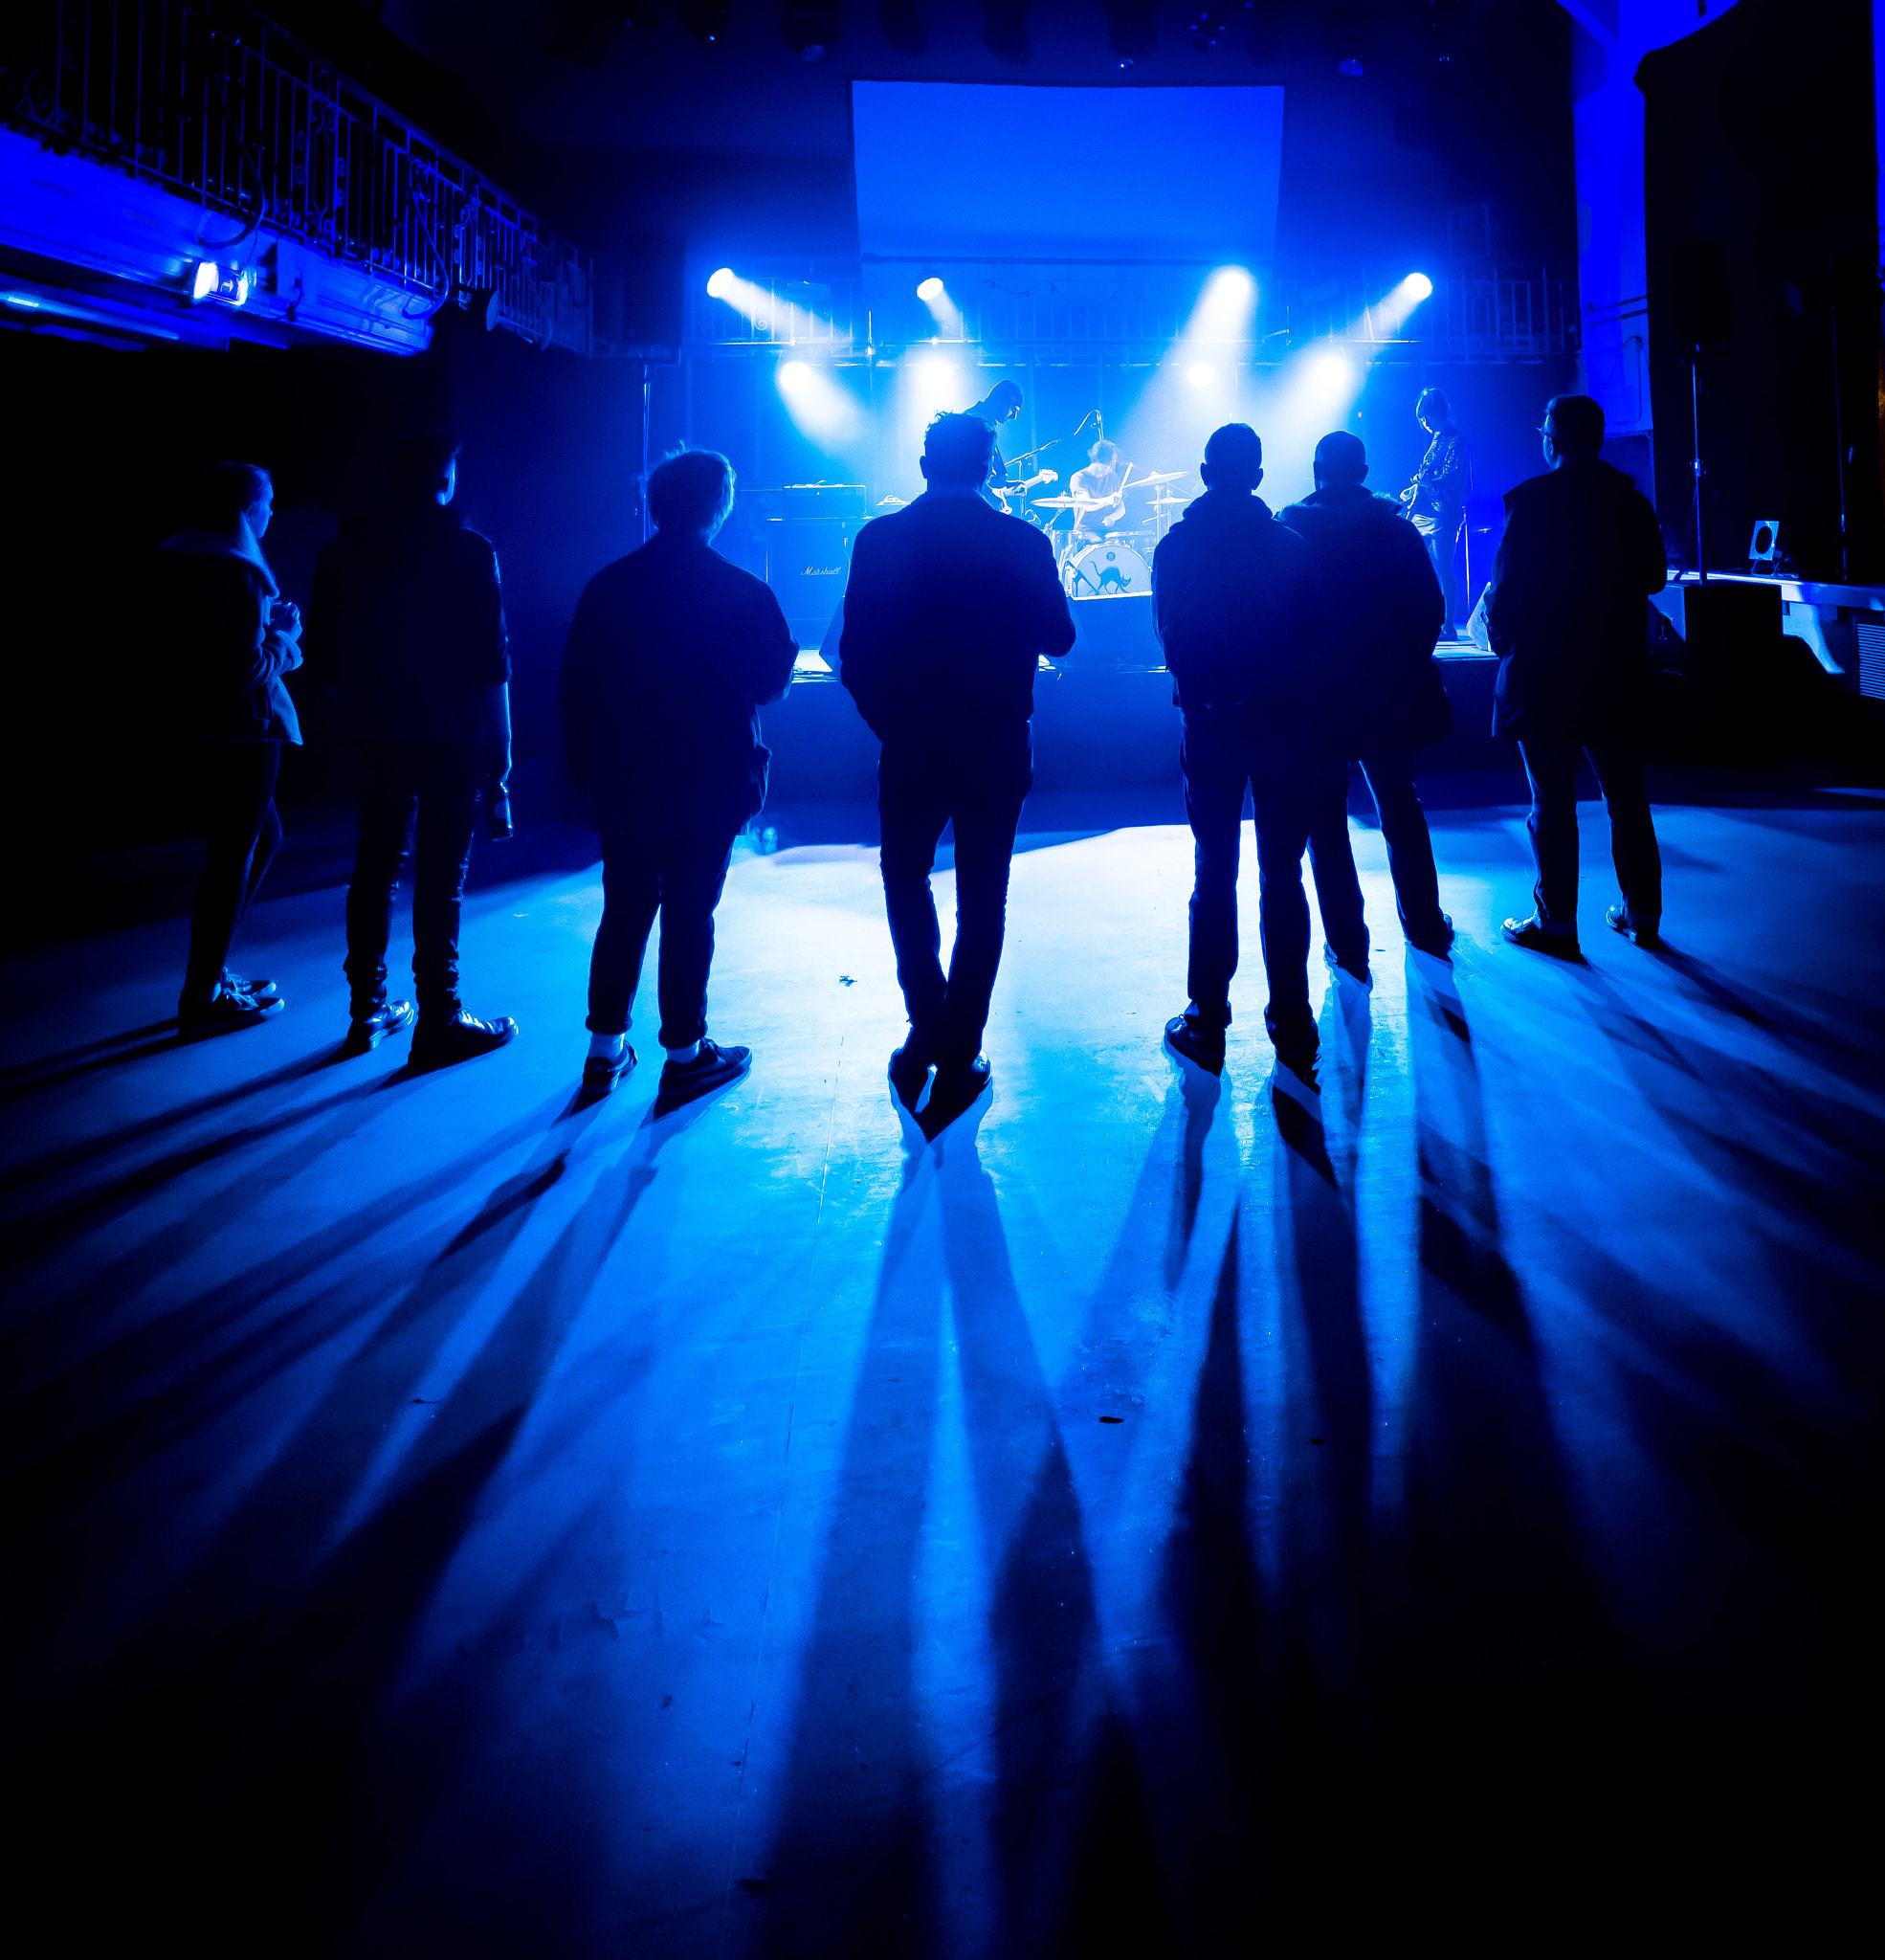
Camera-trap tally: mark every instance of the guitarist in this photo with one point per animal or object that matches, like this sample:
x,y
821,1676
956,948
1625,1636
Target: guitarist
x,y
1101,491
1435,501
999,407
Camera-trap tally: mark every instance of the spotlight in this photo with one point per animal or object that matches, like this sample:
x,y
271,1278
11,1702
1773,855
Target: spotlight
x,y
930,290
1419,287
1351,64
1005,30
1332,371
704,19
793,374
203,282
1201,374
902,25
1132,31
722,284
811,32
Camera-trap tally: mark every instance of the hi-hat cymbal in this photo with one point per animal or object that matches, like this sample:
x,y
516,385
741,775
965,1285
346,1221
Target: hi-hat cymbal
x,y
1147,482
1063,502
1168,503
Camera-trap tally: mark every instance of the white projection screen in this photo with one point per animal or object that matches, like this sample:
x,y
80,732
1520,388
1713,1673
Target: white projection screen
x,y
967,170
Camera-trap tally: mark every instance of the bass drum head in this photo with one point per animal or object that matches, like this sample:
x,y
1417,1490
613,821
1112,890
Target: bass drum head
x,y
1107,570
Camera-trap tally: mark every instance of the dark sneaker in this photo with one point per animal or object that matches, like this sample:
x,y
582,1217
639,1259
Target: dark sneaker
x,y
909,1076
1360,975
437,1042
1536,936
1435,941
954,1092
1188,1038
225,1011
1300,1064
713,1068
257,988
602,1071
1633,926
366,1031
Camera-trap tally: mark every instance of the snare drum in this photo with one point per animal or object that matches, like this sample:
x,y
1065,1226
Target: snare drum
x,y
1106,569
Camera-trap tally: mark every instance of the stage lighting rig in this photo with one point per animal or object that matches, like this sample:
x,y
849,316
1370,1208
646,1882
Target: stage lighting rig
x,y
811,32
902,25
1132,30
705,20
1005,30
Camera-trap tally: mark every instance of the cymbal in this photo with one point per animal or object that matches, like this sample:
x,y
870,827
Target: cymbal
x,y
1168,503
1147,482
1063,502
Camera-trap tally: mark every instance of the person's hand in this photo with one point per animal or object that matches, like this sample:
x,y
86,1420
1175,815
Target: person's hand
x,y
285,618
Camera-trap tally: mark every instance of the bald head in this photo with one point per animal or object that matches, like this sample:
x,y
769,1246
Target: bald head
x,y
1339,458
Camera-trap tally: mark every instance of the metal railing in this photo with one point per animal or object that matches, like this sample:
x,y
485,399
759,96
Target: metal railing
x,y
214,103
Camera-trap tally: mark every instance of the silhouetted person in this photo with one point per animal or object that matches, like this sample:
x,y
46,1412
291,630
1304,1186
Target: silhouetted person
x,y
1436,497
949,608
672,651
224,637
1378,614
1233,598
1565,615
409,623
998,408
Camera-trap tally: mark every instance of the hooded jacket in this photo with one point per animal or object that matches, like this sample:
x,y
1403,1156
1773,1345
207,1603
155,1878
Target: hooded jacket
x,y
1565,609
408,622
1234,603
221,660
1378,613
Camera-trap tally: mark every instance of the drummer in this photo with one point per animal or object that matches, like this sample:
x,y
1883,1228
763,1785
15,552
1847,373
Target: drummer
x,y
1098,487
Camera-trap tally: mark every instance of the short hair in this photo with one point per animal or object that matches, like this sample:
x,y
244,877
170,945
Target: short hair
x,y
959,449
1342,458
223,492
1235,455
691,491
1577,424
420,462
1003,396
1431,401
1104,452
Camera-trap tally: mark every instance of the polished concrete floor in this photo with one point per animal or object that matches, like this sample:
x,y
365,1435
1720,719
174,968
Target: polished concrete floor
x,y
1158,1517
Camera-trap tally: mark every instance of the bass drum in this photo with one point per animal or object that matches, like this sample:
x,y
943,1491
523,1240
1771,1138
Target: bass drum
x,y
1105,570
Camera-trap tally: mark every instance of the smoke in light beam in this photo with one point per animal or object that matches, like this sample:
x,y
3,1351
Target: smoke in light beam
x,y
818,406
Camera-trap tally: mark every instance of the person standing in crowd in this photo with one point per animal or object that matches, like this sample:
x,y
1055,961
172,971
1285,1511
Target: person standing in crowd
x,y
1234,603
1436,498
999,407
1378,614
225,637
408,625
1565,615
949,608
672,651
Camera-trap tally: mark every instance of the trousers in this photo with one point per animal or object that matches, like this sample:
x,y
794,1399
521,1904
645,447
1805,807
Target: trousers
x,y
431,789
1389,777
1440,547
643,873
1551,768
980,786
1287,787
242,833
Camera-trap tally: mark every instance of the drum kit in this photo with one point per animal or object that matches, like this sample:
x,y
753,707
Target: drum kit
x,y
1119,561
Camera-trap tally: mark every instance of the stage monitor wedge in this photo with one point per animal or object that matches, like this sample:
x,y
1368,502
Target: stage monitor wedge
x,y
939,174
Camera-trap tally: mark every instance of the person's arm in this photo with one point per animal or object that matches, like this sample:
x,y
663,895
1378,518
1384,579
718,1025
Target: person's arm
x,y
1649,554
1506,594
770,650
576,695
487,641
1053,630
1427,604
862,641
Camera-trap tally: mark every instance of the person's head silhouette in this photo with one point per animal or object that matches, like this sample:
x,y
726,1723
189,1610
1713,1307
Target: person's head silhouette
x,y
1339,458
1233,461
1573,429
957,453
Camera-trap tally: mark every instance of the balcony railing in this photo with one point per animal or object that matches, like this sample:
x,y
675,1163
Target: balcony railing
x,y
214,103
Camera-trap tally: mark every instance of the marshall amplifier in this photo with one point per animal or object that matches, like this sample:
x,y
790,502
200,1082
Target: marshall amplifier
x,y
808,560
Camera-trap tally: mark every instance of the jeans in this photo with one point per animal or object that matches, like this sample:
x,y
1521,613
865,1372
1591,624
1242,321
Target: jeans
x,y
1287,789
919,789
1552,770
1440,547
1389,777
243,834
439,783
682,879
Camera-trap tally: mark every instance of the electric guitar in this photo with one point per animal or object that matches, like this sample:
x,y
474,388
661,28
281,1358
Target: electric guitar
x,y
1017,490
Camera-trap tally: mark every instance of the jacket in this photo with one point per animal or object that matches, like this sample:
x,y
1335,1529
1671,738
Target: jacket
x,y
220,655
1565,612
671,653
1378,612
948,609
406,622
1234,603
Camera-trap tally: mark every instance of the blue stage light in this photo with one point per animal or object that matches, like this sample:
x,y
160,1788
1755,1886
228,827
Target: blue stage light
x,y
205,280
722,284
930,290
1419,287
1201,374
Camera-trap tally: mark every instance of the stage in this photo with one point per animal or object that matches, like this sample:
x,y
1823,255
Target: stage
x,y
1157,1516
